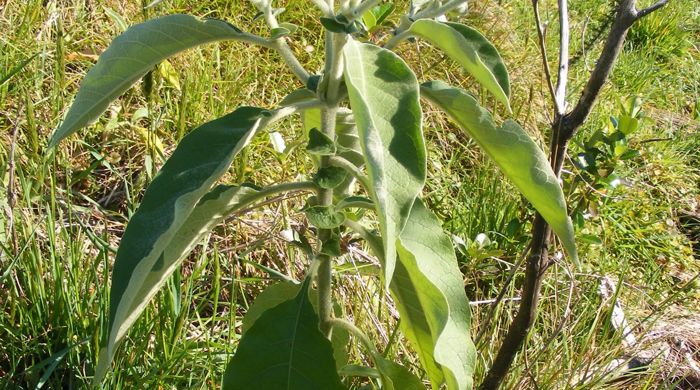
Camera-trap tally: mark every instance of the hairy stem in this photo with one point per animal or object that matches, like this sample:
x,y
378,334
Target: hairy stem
x,y
330,93
280,44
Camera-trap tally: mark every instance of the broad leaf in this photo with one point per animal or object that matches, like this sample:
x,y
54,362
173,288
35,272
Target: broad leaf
x,y
281,292
395,376
284,350
133,54
146,255
515,153
383,95
272,296
471,50
429,294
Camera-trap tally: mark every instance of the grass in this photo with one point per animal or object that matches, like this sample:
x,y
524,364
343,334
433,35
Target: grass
x,y
64,214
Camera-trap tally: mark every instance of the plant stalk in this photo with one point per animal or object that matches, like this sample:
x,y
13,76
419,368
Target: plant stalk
x,y
331,96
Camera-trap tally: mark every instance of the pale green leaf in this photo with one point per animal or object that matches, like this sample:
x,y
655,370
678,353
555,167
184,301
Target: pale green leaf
x,y
384,95
146,255
470,49
133,54
284,350
515,153
429,294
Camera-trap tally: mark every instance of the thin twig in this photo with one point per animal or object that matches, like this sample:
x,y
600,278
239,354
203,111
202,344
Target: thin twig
x,y
543,50
652,8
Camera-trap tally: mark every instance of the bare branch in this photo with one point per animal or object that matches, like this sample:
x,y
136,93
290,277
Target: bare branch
x,y
543,50
626,15
652,8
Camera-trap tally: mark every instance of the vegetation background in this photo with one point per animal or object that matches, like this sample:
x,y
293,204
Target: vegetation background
x,y
62,215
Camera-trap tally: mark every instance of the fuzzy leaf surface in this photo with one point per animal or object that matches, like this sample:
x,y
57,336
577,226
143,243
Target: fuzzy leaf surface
x,y
514,152
470,49
156,237
384,98
133,54
433,307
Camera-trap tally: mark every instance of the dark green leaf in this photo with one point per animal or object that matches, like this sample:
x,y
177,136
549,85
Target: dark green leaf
x,y
330,177
312,83
284,350
333,25
272,296
320,144
331,246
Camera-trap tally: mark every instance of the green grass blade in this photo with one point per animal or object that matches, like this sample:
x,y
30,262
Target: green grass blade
x,y
515,153
145,254
429,294
470,49
383,95
6,77
284,350
132,54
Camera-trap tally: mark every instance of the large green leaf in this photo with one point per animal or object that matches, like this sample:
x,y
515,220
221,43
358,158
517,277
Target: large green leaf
x,y
284,350
156,235
515,153
278,293
383,95
429,294
471,50
132,54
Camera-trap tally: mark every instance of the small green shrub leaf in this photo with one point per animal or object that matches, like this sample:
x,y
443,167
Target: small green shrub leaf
x,y
330,177
331,246
471,50
133,54
429,294
514,152
157,236
395,376
279,32
324,217
384,95
284,350
319,143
